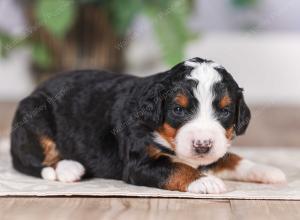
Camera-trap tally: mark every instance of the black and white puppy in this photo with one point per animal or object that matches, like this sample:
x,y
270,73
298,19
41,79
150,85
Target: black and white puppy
x,y
171,130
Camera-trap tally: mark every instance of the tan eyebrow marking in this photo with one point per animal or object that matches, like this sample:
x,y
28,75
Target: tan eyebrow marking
x,y
182,100
225,101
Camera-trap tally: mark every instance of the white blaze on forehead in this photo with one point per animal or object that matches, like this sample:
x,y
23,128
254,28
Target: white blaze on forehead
x,y
205,73
207,77
196,64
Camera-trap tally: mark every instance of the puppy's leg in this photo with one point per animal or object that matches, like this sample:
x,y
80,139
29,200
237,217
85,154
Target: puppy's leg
x,y
57,168
161,172
187,179
234,167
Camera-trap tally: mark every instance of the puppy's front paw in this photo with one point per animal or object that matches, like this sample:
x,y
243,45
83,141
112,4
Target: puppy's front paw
x,y
207,185
265,174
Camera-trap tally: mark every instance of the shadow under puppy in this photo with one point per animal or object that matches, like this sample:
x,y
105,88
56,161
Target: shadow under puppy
x,y
171,130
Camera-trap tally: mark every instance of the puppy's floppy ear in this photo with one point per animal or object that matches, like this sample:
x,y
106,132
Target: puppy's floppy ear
x,y
150,103
243,115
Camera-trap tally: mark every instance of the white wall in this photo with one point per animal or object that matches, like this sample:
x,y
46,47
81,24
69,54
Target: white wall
x,y
15,80
11,17
15,77
265,15
266,65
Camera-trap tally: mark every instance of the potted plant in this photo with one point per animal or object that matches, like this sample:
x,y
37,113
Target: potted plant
x,y
69,34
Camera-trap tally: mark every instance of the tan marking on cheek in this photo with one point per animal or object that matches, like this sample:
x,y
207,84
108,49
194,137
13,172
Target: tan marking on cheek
x,y
155,153
230,133
230,163
168,133
182,100
51,154
191,163
225,101
181,177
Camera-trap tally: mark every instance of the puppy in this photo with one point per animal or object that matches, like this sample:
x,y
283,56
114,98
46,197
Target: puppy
x,y
171,130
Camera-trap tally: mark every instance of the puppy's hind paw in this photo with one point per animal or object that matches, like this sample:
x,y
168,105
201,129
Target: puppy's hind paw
x,y
69,171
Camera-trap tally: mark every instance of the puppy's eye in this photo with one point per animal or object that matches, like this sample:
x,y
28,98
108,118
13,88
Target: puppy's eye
x,y
225,112
179,111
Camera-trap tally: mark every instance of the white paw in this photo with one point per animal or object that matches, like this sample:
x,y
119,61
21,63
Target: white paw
x,y
69,171
207,185
265,174
48,173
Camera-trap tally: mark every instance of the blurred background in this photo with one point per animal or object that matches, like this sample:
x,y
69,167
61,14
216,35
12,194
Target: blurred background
x,y
258,41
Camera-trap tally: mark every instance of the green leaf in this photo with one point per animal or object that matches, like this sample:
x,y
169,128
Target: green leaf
x,y
5,41
56,15
244,3
8,43
122,13
171,31
41,55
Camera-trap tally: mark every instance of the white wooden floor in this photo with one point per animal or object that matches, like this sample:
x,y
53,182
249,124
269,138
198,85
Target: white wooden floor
x,y
145,208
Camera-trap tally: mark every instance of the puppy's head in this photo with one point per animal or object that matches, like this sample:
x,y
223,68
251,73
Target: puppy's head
x,y
198,109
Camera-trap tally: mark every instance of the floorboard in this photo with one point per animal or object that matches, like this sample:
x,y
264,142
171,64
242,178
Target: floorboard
x,y
112,208
144,208
265,209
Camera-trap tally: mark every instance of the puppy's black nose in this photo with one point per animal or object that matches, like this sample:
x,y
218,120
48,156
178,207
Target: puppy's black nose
x,y
202,146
